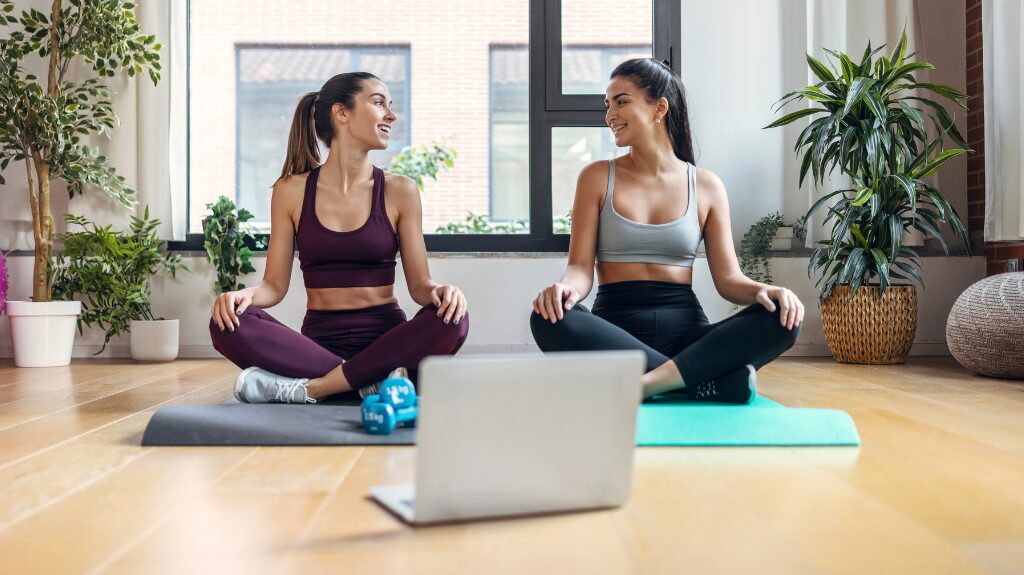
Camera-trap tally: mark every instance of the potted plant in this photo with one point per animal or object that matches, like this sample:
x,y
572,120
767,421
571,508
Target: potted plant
x,y
227,244
111,271
45,124
770,233
870,126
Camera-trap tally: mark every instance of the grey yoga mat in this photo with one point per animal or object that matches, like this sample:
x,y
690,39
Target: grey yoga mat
x,y
663,422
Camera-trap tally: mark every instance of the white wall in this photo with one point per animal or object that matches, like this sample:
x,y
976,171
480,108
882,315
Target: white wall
x,y
740,56
499,290
732,68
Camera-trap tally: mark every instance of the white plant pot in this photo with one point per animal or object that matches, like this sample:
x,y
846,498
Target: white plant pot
x,y
784,232
155,340
43,332
781,244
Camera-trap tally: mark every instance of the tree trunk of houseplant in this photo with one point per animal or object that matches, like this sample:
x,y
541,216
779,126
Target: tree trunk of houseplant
x,y
867,328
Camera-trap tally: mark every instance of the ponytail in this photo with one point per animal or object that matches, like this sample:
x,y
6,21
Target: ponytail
x,y
303,152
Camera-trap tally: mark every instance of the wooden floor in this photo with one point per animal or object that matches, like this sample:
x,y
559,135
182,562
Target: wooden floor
x,y
936,487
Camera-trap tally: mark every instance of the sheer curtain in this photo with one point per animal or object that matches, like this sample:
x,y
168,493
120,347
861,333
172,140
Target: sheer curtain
x,y
161,131
1001,23
148,146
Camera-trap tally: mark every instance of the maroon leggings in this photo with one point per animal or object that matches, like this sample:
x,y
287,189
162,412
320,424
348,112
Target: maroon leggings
x,y
368,343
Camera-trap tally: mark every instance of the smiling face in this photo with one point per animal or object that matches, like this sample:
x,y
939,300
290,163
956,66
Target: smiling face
x,y
629,114
371,117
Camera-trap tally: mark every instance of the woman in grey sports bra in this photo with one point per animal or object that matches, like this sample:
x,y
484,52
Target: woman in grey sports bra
x,y
639,219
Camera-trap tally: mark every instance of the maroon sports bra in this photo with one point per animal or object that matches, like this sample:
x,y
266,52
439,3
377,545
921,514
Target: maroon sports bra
x,y
362,257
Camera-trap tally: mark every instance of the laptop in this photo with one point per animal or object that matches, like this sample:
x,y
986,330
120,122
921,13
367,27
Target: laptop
x,y
521,434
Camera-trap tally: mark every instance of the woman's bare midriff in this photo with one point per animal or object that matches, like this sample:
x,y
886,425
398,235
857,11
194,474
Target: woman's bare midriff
x,y
613,272
349,297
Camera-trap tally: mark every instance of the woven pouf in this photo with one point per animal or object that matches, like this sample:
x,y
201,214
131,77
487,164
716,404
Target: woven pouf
x,y
985,329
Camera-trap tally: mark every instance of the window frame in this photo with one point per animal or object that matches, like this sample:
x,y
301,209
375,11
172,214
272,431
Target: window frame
x,y
548,109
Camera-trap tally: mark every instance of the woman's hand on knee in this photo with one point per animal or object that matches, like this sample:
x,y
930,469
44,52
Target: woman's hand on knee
x,y
554,299
450,301
228,306
791,310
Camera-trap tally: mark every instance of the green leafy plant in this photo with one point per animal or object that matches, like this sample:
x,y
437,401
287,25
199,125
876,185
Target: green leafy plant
x,y
44,124
756,242
111,271
873,129
227,243
417,162
563,224
479,224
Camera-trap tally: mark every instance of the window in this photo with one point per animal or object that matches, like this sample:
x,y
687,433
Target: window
x,y
516,90
572,148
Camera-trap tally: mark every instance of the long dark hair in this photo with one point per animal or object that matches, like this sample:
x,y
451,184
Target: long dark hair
x,y
659,81
312,120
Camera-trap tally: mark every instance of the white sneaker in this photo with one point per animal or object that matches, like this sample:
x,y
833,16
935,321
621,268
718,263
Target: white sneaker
x,y
374,388
255,385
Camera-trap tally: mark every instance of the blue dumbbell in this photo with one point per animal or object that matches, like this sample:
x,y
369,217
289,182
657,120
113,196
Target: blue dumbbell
x,y
381,418
398,391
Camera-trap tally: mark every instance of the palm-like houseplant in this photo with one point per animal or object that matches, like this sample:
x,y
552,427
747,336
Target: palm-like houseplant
x,y
46,122
870,122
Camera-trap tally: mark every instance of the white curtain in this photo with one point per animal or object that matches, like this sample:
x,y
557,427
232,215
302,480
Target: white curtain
x,y
1002,22
147,148
162,129
844,25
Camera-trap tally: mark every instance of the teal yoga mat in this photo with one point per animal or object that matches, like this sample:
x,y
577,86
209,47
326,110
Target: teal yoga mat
x,y
664,422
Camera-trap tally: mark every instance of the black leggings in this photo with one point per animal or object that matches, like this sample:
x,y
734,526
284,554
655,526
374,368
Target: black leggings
x,y
665,321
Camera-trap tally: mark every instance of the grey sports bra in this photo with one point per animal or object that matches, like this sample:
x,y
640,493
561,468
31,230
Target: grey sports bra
x,y
622,240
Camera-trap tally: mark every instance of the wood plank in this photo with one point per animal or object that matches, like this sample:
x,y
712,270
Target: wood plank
x,y
91,523
42,399
353,531
38,434
37,481
258,508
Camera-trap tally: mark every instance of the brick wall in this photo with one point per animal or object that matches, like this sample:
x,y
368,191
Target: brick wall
x,y
996,253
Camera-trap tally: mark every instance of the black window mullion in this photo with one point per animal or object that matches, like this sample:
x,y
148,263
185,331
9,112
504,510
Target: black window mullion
x,y
540,138
554,99
667,31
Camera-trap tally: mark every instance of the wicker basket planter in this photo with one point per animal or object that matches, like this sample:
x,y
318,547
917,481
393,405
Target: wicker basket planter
x,y
869,329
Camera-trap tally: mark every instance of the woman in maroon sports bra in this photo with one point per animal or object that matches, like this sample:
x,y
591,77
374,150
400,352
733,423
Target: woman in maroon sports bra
x,y
349,219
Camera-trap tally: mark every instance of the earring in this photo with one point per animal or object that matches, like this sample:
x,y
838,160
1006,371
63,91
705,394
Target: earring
x,y
659,120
